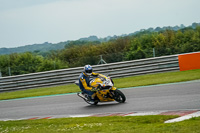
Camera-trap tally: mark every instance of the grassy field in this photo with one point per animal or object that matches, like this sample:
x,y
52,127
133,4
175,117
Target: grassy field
x,y
150,79
114,124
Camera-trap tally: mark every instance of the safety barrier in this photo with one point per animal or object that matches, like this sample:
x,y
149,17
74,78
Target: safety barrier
x,y
189,61
66,76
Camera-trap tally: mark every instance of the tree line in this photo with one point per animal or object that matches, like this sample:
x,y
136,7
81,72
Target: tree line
x,y
80,53
23,63
133,47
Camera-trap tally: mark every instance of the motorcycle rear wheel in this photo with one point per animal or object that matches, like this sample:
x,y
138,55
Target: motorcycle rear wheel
x,y
119,96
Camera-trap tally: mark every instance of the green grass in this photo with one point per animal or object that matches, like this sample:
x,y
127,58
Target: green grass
x,y
159,78
39,92
115,124
150,79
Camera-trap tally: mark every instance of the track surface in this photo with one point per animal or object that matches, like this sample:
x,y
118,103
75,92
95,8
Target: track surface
x,y
178,96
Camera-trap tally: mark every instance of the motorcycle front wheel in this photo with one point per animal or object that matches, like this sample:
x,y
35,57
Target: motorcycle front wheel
x,y
119,96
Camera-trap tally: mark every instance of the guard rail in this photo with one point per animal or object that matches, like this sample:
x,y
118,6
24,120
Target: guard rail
x,y
67,76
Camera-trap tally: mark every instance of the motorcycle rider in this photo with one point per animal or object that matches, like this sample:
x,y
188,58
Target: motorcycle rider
x,y
84,80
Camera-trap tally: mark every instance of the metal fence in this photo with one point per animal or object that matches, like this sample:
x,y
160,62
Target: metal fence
x,y
66,76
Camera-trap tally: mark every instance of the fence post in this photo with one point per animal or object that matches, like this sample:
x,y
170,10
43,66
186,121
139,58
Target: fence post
x,y
101,60
9,71
154,54
0,73
54,65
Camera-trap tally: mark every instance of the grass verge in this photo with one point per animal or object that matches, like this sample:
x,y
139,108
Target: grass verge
x,y
115,124
159,78
150,79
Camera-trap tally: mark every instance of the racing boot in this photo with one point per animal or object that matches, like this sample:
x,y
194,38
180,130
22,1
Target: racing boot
x,y
82,95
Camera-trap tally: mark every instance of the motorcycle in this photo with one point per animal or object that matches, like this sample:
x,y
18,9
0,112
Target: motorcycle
x,y
104,91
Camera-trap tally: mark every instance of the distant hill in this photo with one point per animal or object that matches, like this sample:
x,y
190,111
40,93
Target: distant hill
x,y
90,38
45,47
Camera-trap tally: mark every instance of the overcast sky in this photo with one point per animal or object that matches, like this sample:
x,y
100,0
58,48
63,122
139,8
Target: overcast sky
x,y
25,22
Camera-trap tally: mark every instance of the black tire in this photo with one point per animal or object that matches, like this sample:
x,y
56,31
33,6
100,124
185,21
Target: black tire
x,y
119,96
95,103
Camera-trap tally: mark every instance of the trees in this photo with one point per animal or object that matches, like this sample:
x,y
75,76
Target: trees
x,y
15,64
79,53
136,46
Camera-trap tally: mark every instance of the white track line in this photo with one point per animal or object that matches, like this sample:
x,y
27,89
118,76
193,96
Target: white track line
x,y
146,113
182,118
74,116
186,117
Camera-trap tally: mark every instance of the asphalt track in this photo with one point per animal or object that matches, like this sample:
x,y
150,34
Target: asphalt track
x,y
175,96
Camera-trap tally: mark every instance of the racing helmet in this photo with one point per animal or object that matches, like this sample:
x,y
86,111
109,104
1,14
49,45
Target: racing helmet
x,y
88,70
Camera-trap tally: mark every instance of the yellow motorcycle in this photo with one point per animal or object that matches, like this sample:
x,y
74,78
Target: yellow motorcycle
x,y
104,91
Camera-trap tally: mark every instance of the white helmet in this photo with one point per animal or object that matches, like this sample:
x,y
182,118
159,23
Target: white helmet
x,y
88,70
